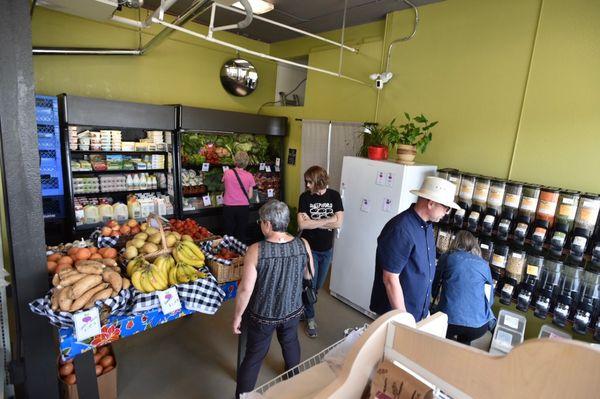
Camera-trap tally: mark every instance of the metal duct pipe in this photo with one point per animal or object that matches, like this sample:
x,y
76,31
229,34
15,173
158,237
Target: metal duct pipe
x,y
242,24
158,13
187,16
403,39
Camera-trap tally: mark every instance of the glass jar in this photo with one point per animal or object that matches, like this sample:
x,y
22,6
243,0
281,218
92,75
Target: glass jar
x,y
546,208
465,193
588,302
496,196
569,285
587,214
515,267
567,209
529,201
481,191
453,176
512,196
534,266
498,263
547,287
487,250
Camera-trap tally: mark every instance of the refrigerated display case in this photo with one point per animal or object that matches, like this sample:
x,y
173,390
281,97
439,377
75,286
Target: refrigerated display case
x,y
207,141
115,151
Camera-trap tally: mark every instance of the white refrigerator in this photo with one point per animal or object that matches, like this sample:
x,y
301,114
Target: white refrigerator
x,y
372,193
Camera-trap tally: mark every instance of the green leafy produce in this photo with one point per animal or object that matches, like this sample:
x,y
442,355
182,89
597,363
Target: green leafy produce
x,y
212,180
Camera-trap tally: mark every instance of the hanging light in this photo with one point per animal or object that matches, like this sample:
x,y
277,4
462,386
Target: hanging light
x,y
258,6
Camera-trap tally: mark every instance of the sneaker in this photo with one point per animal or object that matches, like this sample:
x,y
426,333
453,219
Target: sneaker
x,y
311,328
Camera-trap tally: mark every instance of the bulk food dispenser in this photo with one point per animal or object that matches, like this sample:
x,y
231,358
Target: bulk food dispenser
x,y
585,223
515,270
498,265
480,196
565,218
465,199
494,207
544,216
569,285
526,215
512,198
453,176
547,287
589,302
533,270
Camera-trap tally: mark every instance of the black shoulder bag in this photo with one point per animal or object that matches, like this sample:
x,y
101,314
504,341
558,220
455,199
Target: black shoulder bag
x,y
241,185
308,290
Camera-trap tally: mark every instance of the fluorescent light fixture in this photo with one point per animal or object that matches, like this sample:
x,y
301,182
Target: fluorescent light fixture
x,y
258,6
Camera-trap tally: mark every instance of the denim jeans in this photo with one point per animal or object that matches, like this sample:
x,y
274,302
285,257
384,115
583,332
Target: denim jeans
x,y
257,347
322,262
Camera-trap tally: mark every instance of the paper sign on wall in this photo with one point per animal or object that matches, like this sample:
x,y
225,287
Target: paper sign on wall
x,y
277,162
277,168
219,199
389,179
87,324
365,206
387,205
206,200
268,168
205,167
380,179
261,166
169,300
270,193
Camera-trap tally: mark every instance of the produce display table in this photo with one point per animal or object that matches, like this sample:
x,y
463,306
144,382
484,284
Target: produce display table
x,y
117,327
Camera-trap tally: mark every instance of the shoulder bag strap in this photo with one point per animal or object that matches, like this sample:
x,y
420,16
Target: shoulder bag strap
x,y
307,257
241,185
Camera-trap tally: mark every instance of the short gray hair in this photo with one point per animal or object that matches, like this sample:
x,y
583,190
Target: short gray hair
x,y
465,241
241,159
277,213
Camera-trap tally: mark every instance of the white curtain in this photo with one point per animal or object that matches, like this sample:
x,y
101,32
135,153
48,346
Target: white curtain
x,y
325,143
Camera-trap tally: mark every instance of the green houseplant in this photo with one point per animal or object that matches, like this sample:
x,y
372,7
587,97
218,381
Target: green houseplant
x,y
412,136
375,141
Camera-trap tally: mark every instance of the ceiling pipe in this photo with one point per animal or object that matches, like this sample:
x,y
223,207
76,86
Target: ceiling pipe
x,y
190,14
243,23
403,39
158,13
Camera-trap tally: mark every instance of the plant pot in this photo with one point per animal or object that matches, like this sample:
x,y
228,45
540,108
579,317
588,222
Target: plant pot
x,y
406,154
378,152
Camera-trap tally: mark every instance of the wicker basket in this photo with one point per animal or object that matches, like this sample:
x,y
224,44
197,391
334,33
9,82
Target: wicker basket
x,y
226,273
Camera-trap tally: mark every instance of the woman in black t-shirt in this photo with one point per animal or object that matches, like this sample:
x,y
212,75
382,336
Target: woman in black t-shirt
x,y
320,212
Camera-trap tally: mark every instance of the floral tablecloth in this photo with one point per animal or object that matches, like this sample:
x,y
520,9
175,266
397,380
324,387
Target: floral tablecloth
x,y
119,327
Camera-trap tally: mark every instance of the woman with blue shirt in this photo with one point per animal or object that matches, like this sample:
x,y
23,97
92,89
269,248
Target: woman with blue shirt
x,y
463,275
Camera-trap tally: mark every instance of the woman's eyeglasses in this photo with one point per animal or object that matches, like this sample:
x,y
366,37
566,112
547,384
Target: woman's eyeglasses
x,y
258,222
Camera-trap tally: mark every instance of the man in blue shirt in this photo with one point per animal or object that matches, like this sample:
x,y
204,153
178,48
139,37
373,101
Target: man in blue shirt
x,y
405,259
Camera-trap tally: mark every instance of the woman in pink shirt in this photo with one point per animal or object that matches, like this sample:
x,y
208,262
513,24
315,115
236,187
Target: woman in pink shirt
x,y
236,199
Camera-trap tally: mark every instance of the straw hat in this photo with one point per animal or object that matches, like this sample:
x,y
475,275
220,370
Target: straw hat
x,y
439,190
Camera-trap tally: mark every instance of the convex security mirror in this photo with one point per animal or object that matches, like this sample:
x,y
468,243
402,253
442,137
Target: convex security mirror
x,y
239,77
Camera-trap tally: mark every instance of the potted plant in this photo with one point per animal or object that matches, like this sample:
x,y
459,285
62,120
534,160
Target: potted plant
x,y
375,144
410,137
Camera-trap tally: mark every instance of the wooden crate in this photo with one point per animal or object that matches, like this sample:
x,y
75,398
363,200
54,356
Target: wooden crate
x,y
226,273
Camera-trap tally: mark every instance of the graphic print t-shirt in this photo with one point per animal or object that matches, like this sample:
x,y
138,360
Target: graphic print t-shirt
x,y
320,207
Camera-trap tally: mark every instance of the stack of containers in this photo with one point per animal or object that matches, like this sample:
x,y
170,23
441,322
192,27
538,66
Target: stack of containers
x,y
95,141
509,332
73,139
106,139
115,136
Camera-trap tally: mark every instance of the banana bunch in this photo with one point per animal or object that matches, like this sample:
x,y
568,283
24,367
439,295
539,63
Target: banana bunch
x,y
188,253
149,277
184,273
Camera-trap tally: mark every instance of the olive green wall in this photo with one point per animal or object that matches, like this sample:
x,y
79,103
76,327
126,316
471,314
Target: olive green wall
x,y
497,83
501,77
181,70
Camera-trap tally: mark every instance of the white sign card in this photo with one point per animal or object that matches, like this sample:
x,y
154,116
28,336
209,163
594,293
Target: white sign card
x,y
270,193
219,199
205,167
169,300
277,162
277,168
261,166
206,200
87,324
268,168
389,179
380,179
365,205
387,205
225,168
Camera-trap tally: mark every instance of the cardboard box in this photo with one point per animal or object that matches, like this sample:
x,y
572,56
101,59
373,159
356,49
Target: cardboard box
x,y
391,382
107,385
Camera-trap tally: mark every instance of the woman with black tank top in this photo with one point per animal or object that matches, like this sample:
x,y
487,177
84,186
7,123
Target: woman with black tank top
x,y
269,295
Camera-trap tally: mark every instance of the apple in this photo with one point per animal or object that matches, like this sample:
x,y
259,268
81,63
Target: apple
x,y
112,224
125,229
106,231
132,223
135,229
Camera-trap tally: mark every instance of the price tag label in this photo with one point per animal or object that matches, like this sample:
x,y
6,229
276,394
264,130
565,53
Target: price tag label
x,y
268,168
225,168
169,300
389,179
261,166
277,168
510,321
219,199
380,179
270,193
365,205
206,200
277,162
87,324
387,205
205,167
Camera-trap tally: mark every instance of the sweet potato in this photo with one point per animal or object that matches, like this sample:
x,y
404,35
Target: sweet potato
x,y
108,262
126,283
86,297
84,285
89,267
54,300
64,299
55,280
71,279
64,272
102,295
114,279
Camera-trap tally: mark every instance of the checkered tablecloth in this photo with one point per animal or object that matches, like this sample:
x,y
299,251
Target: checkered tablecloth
x,y
118,305
102,241
203,296
229,242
